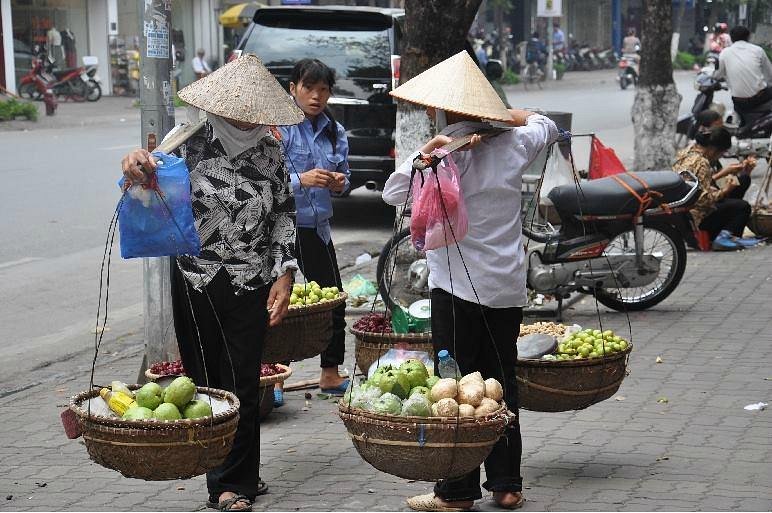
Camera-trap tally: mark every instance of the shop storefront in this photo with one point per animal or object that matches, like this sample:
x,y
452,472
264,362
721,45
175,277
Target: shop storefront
x,y
68,30
58,27
125,46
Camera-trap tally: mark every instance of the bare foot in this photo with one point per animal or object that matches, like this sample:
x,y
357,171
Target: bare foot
x,y
330,378
509,500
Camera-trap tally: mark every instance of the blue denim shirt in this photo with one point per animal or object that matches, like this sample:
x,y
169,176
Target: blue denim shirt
x,y
307,149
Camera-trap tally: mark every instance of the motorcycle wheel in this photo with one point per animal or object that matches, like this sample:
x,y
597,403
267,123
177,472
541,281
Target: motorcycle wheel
x,y
394,269
668,244
94,91
30,91
78,90
623,82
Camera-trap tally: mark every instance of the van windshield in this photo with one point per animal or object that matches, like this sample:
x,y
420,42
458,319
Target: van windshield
x,y
355,49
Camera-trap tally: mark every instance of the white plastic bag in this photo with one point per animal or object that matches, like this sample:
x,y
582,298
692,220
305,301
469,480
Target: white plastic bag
x,y
558,172
395,357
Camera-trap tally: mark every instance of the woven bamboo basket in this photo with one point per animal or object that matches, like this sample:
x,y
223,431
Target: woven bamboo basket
x,y
369,346
423,448
304,332
552,386
265,392
156,450
760,223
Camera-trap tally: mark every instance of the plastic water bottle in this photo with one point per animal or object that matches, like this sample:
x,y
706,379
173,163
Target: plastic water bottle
x,y
448,367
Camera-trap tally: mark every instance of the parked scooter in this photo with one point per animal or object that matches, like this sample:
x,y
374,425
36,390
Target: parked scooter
x,y
631,257
79,84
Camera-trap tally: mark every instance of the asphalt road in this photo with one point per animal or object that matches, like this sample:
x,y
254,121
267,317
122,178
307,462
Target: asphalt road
x,y
60,193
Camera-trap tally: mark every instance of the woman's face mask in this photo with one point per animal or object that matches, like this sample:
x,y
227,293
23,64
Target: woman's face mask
x,y
241,125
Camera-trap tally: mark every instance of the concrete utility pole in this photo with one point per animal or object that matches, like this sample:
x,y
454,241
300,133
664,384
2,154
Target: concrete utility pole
x,y
157,118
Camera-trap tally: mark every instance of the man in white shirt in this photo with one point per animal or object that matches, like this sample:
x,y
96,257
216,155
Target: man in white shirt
x,y
478,283
200,67
747,70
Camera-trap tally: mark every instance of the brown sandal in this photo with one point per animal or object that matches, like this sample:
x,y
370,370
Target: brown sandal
x,y
227,504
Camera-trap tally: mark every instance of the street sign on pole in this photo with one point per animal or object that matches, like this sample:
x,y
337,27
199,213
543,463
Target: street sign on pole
x,y
549,8
157,118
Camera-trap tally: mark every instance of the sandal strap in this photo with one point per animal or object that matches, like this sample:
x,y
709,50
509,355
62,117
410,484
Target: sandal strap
x,y
226,504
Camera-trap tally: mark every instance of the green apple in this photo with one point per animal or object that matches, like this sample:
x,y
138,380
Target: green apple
x,y
149,396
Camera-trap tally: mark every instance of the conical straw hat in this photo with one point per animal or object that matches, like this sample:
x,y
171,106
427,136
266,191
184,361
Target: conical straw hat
x,y
455,85
244,90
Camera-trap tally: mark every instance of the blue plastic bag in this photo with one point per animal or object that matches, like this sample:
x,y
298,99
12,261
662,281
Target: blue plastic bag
x,y
154,227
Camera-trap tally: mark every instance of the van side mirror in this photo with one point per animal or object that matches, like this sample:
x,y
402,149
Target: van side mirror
x,y
494,70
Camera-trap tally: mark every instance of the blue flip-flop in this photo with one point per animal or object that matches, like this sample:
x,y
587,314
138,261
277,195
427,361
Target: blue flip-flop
x,y
339,390
278,397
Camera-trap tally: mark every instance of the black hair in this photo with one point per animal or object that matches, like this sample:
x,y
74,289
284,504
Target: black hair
x,y
706,118
703,120
535,35
313,71
717,137
740,33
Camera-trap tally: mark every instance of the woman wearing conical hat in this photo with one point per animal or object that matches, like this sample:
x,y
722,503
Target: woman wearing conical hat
x,y
225,298
478,286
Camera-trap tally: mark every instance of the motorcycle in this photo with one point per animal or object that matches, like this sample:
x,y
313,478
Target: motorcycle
x,y
751,131
74,83
607,59
628,70
91,64
630,256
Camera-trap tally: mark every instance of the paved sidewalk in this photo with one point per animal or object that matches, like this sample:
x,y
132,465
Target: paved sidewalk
x,y
108,111
700,450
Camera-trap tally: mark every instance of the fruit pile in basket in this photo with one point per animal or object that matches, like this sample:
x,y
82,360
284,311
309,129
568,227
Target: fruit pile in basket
x,y
269,369
152,401
311,293
589,343
165,368
409,390
549,341
374,323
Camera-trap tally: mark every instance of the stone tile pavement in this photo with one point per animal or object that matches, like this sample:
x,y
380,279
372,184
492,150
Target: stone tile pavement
x,y
699,450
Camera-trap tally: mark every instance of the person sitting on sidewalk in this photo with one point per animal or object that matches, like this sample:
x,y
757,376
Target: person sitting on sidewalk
x,y
723,217
476,316
708,119
225,299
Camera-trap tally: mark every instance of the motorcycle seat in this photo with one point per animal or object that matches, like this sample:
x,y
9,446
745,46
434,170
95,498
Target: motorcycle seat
x,y
64,71
607,197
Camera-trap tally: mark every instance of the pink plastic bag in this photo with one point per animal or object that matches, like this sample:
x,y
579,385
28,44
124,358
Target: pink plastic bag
x,y
431,225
